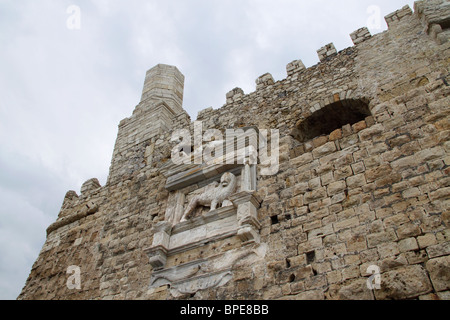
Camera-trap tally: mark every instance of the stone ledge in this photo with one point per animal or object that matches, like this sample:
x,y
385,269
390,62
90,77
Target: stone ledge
x,y
91,208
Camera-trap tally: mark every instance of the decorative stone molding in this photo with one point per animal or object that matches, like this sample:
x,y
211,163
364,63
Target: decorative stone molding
x,y
159,249
201,274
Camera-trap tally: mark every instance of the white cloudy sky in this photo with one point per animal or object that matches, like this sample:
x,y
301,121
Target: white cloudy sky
x,y
63,91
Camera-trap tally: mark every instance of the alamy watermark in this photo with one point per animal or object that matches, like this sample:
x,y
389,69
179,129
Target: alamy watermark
x,y
374,20
374,281
236,146
74,280
73,22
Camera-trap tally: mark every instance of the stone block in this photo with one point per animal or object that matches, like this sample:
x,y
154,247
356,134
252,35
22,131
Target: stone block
x,y
319,141
90,186
404,163
334,276
315,195
360,35
326,51
356,243
336,187
388,249
308,295
316,282
234,95
409,244
375,239
438,250
302,160
324,150
335,135
345,224
396,220
439,270
394,17
358,167
347,130
430,154
440,194
426,240
299,260
343,172
357,127
296,201
356,181
350,290
264,81
304,272
371,132
416,257
408,230
294,67
404,283
411,193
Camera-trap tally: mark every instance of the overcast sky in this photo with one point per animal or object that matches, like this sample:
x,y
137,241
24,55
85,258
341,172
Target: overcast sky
x,y
66,81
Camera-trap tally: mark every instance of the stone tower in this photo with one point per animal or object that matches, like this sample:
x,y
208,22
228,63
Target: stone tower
x,y
164,83
159,109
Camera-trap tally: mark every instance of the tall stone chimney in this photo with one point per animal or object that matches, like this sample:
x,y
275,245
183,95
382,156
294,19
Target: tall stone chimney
x,y
159,110
164,83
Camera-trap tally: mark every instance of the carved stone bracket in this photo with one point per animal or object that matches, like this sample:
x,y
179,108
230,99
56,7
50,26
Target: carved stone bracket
x,y
247,216
160,246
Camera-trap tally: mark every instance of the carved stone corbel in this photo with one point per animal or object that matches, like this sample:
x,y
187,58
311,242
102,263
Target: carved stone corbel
x,y
157,253
247,216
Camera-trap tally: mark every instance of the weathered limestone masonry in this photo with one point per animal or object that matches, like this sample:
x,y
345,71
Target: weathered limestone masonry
x,y
363,181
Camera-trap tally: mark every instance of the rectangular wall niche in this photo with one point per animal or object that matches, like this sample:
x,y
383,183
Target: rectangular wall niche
x,y
235,215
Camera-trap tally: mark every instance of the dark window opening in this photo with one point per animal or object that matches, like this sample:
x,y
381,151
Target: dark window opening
x,y
274,219
331,117
288,263
310,257
445,24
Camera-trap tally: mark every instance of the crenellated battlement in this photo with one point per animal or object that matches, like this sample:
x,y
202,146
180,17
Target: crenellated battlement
x,y
162,94
397,15
433,15
360,35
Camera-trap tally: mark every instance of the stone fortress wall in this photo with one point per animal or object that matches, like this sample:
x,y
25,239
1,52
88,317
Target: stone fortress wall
x,y
364,154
